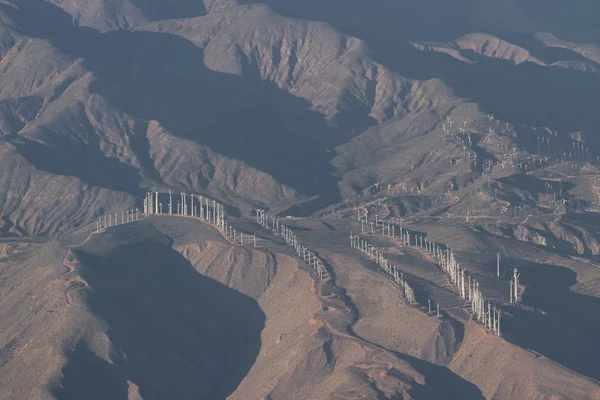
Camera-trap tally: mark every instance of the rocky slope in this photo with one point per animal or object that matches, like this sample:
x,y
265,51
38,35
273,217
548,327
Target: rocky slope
x,y
472,123
96,108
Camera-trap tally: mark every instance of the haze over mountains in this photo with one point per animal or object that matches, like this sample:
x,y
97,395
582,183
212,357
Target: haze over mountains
x,y
299,108
265,96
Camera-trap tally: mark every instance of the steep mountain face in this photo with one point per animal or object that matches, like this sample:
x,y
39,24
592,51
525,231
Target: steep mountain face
x,y
95,99
94,319
301,107
472,123
104,15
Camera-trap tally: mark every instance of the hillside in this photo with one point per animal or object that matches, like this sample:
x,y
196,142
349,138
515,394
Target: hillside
x,y
471,125
92,111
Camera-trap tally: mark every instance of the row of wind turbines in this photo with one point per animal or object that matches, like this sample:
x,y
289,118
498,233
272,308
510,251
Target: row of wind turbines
x,y
200,207
309,257
549,148
205,209
212,212
108,221
466,286
356,242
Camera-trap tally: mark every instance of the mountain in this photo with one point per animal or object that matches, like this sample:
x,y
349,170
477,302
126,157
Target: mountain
x,y
471,123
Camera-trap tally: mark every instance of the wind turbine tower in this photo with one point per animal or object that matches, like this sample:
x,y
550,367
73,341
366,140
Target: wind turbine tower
x,y
498,264
516,276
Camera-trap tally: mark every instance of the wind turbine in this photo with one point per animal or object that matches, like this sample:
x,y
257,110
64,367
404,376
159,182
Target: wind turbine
x,y
515,291
156,195
180,211
498,264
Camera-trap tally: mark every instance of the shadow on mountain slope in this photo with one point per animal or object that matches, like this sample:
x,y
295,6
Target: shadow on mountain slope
x,y
157,76
174,333
525,94
441,382
565,326
522,189
439,21
87,376
432,20
156,10
69,157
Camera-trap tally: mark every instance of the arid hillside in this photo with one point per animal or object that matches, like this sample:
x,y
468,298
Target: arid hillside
x,y
277,106
421,155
